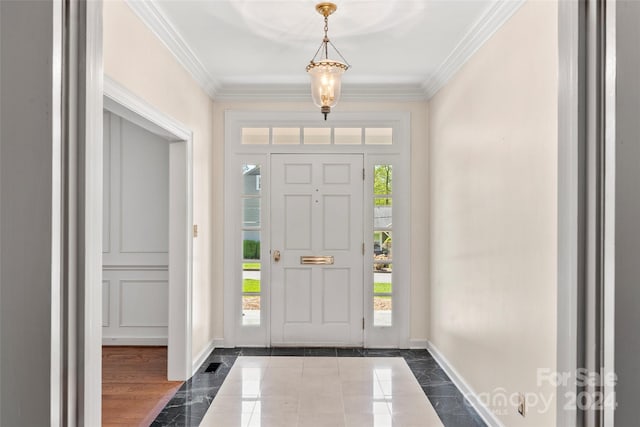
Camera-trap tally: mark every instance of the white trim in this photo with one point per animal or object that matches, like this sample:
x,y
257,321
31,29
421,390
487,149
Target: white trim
x,y
149,13
568,264
135,268
418,344
609,279
488,23
218,343
88,322
202,356
143,341
485,26
487,416
121,101
58,356
180,327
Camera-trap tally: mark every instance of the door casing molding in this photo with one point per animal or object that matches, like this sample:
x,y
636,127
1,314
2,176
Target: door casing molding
x,y
236,154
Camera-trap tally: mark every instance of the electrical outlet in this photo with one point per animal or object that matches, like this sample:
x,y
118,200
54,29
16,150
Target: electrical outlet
x,y
522,404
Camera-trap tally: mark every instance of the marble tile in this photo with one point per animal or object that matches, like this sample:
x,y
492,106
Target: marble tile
x,y
273,419
289,362
308,385
287,351
350,352
226,419
255,351
253,362
230,351
321,420
364,404
376,352
320,351
274,405
320,386
361,387
281,389
311,403
311,374
373,420
319,362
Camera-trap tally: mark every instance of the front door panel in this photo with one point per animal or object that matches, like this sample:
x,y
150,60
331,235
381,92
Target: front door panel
x,y
317,285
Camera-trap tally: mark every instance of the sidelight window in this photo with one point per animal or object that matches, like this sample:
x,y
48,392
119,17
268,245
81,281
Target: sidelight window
x,y
382,245
251,249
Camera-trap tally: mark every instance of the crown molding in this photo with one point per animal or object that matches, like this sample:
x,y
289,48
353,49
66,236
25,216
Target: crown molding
x,y
481,31
381,92
484,27
155,20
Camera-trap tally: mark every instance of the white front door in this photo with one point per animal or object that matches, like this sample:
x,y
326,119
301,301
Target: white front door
x,y
317,230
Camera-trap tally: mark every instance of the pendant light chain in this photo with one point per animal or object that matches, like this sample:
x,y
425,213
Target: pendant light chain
x,y
326,37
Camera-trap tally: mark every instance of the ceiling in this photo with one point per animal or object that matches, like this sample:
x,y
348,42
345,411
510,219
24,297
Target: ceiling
x,y
403,49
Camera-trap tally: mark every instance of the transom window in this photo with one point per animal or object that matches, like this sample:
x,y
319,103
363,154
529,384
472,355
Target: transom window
x,y
317,136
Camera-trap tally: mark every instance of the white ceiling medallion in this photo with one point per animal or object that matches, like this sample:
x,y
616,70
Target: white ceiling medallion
x,y
283,24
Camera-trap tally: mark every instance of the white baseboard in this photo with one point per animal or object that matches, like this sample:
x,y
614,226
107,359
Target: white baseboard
x,y
150,341
487,416
418,344
218,342
202,356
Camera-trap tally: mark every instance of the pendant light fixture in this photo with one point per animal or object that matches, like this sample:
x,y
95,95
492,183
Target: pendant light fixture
x,y
326,73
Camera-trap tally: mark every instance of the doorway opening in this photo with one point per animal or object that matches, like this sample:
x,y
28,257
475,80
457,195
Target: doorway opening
x,y
171,313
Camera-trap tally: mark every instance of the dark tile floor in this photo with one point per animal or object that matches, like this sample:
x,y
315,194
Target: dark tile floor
x,y
191,402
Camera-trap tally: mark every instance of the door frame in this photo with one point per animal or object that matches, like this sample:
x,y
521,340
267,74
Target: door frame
x,y
236,154
586,208
122,102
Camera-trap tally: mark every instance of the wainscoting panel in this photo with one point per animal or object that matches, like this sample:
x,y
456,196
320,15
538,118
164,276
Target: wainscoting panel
x,y
144,191
150,294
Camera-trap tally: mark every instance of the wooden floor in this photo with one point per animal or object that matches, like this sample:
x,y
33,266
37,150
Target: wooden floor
x,y
134,385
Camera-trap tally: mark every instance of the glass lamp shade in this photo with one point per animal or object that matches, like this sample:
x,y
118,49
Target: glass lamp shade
x,y
325,82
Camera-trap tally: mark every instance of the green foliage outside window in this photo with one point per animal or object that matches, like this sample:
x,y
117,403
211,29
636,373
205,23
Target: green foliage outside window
x,y
382,183
251,249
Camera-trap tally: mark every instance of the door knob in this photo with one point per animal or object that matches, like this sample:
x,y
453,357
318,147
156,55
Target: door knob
x,y
276,256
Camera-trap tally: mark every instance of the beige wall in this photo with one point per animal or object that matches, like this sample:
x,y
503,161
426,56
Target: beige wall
x,y
493,175
419,207
136,59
